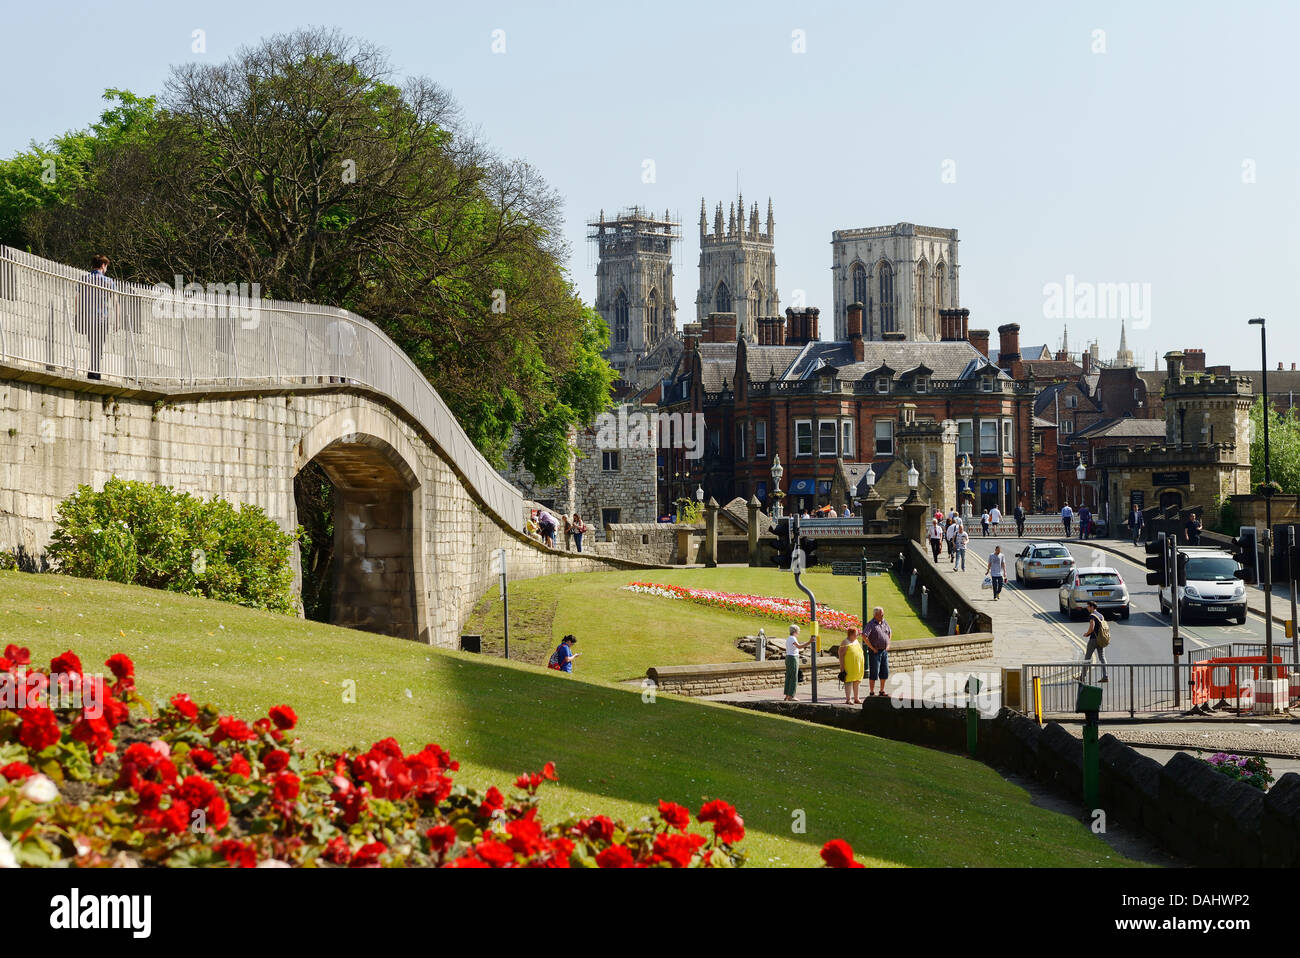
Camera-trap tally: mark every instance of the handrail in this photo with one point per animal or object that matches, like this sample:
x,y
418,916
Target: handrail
x,y
220,335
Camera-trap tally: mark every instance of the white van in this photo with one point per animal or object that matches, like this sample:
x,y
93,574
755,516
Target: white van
x,y
1212,590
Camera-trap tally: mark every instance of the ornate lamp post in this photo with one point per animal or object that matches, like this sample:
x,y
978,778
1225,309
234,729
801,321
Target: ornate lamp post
x,y
777,494
913,478
966,472
1081,470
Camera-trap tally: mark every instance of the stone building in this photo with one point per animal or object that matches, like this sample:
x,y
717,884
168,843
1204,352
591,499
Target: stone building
x,y
738,267
634,283
902,274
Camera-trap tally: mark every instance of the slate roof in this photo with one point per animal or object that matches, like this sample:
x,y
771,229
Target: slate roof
x,y
948,360
1126,427
1053,369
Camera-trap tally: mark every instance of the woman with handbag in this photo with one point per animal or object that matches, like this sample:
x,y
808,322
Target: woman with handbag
x,y
852,666
579,530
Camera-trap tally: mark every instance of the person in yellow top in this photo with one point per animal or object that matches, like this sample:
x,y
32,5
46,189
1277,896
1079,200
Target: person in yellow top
x,y
852,664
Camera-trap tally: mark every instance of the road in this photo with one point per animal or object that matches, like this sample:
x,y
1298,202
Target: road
x,y
1145,637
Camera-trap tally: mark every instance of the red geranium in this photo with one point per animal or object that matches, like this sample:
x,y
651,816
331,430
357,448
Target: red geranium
x,y
337,851
229,727
182,703
18,655
727,825
495,853
675,815
283,717
123,669
493,801
441,838
599,829
367,856
276,760
97,734
203,759
284,787
237,854
677,849
526,837
238,765
67,663
40,729
177,818
17,771
197,791
615,856
837,853
218,814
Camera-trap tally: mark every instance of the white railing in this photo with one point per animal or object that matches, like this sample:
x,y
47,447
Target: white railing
x,y
52,317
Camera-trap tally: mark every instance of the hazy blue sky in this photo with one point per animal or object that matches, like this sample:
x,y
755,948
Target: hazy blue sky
x,y
1170,159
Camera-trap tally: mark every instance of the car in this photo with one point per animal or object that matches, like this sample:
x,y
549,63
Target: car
x,y
1100,584
1044,562
1212,589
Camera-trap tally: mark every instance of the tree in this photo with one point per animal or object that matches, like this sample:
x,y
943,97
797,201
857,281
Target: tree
x,y
301,166
1283,445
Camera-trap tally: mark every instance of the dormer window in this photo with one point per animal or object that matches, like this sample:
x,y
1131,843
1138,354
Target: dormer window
x,y
922,384
828,384
986,384
882,384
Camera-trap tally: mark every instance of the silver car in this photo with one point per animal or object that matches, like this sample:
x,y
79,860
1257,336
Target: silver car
x,y
1044,562
1100,584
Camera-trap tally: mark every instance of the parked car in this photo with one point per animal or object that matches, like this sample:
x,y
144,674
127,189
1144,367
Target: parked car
x,y
1044,562
1100,584
1212,589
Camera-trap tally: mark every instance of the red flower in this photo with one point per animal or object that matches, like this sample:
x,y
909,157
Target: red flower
x,y
276,760
676,849
284,787
526,837
115,712
727,825
40,729
67,663
599,829
367,856
239,766
493,801
203,759
182,703
548,772
122,668
441,838
229,727
837,853
17,771
468,861
237,854
97,734
675,815
283,717
337,851
528,781
615,856
495,853
18,655
197,791
5,664
218,814
177,818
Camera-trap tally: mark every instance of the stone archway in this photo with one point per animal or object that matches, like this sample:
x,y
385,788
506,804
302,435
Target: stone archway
x,y
377,567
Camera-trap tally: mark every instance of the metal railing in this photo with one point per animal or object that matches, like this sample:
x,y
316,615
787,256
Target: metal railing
x,y
59,319
1131,688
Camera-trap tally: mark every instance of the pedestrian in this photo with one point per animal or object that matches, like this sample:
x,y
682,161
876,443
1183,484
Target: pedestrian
x,y
984,523
579,530
95,304
568,533
1067,517
1020,519
963,540
877,639
532,528
1193,528
792,647
950,535
997,570
852,665
936,538
1098,636
546,523
563,656
1137,520
995,516
1085,521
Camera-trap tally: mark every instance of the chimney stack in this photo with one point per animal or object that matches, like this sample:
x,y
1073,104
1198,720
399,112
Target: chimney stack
x,y
855,332
691,336
1194,360
979,338
801,325
965,325
1087,361
1008,345
1174,366
720,328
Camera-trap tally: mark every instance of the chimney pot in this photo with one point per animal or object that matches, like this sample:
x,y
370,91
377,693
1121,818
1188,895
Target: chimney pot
x,y
979,338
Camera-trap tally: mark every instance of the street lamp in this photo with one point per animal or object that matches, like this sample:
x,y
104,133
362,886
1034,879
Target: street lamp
x,y
777,494
966,472
1081,470
913,477
1268,508
870,478
699,494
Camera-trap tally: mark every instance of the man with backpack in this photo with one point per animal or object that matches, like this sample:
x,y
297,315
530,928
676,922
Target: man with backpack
x,y
1098,636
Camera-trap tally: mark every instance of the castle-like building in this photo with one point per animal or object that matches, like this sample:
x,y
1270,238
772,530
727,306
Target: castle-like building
x,y
738,267
903,275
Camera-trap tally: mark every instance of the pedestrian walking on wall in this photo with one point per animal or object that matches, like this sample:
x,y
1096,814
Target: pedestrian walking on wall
x,y
792,648
546,523
997,571
95,302
877,637
936,538
579,530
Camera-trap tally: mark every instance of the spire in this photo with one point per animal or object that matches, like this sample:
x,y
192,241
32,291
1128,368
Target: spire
x,y
1123,338
731,220
771,223
1065,340
703,217
717,220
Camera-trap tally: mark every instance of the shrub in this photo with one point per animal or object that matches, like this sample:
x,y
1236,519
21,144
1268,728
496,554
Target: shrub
x,y
145,534
1250,769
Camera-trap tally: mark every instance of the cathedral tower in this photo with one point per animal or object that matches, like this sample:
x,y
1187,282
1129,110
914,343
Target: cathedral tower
x,y
738,267
901,274
634,282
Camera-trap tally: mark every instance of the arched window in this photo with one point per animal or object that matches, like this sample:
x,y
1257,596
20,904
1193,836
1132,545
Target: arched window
x,y
859,284
886,272
652,316
620,317
755,302
922,297
722,299
939,300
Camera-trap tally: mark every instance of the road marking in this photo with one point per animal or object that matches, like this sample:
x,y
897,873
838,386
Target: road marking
x,y
1075,640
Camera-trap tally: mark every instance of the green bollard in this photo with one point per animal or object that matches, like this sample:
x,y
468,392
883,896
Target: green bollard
x,y
1089,703
972,715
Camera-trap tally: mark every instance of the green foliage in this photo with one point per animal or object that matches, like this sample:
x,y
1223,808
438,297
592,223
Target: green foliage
x,y
690,511
1226,515
1283,446
144,534
1251,770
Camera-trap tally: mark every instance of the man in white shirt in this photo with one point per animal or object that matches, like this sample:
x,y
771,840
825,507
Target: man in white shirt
x,y
792,647
997,570
951,536
995,516
1067,515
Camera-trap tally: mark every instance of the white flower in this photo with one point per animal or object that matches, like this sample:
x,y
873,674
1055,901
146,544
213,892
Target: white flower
x,y
272,863
39,789
7,859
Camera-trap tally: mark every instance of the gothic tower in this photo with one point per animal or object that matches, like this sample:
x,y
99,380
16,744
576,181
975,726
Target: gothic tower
x,y
901,274
738,267
634,282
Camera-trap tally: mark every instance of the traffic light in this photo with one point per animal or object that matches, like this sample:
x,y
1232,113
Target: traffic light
x,y
1157,560
782,547
1244,551
1181,567
809,547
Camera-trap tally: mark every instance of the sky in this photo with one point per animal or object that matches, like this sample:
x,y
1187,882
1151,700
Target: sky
x,y
1150,144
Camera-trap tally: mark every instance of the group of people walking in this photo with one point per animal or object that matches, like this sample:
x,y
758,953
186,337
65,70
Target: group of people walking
x,y
543,525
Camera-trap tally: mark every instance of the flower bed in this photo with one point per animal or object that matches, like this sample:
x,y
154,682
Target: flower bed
x,y
771,607
112,780
1250,769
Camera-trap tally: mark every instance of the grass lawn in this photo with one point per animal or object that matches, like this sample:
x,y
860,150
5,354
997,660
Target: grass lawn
x,y
621,634
896,804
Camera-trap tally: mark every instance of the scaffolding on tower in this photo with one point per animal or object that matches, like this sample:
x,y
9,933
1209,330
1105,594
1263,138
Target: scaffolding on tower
x,y
633,230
